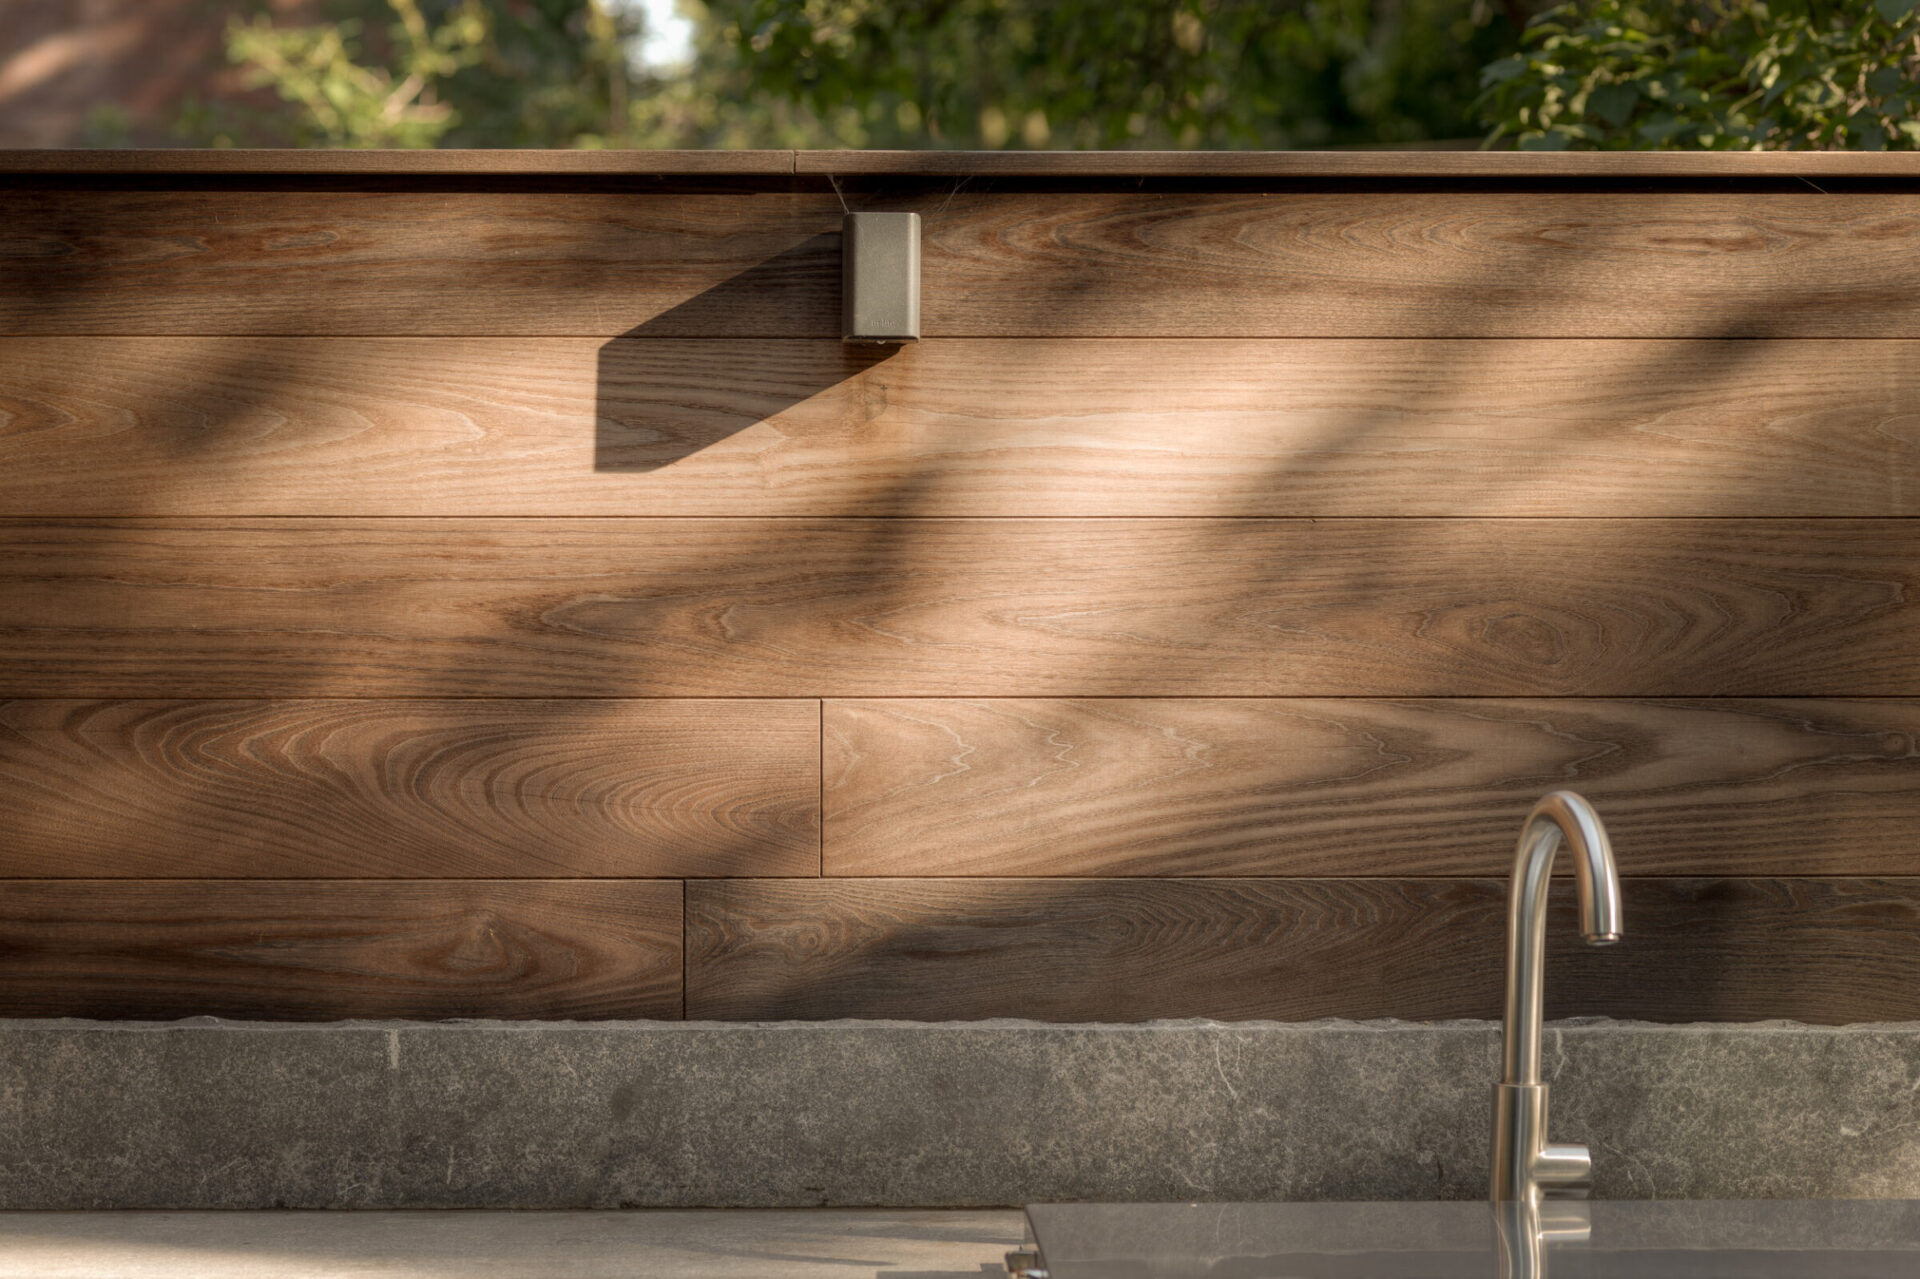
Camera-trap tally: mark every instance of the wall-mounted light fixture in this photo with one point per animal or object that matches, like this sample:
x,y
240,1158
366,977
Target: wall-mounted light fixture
x,y
880,278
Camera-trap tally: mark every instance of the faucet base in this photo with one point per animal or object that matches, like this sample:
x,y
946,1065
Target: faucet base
x,y
1526,1166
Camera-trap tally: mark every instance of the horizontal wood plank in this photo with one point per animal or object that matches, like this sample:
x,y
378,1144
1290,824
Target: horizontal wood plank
x,y
1317,264
407,161
321,950
723,427
795,608
1403,164
1353,787
1424,163
343,262
1827,951
1589,264
409,789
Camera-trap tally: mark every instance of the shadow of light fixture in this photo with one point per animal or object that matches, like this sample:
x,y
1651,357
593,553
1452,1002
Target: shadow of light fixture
x,y
880,278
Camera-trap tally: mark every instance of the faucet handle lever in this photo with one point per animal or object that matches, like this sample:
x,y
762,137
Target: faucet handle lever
x,y
1563,1166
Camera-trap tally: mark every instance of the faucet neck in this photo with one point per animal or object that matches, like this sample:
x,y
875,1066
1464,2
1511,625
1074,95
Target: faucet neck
x,y
1560,818
1526,953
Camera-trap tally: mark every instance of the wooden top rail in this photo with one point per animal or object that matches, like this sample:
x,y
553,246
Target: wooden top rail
x,y
786,169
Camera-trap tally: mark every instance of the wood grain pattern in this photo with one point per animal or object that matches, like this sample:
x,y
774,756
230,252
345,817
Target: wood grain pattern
x,y
1494,264
227,505
1827,951
338,262
786,608
1358,787
1220,164
1519,165
409,789
462,161
721,427
1383,264
320,950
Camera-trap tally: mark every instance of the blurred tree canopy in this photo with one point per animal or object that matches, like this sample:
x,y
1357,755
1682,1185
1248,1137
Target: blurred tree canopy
x,y
957,73
347,104
1094,73
1216,74
1716,74
422,73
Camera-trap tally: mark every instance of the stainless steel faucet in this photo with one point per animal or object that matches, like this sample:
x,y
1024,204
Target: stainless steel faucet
x,y
1524,1232
1524,1162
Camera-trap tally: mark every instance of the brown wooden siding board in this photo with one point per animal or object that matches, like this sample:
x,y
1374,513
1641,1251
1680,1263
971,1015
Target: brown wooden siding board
x,y
788,608
321,950
413,789
1826,951
1357,164
1101,427
779,163
1389,264
1426,265
1359,787
408,264
765,415
504,162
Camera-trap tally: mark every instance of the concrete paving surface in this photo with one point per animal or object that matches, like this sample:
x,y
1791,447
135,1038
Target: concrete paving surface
x,y
640,1244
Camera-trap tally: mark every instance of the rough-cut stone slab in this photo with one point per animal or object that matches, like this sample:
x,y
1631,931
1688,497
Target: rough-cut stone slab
x,y
207,1114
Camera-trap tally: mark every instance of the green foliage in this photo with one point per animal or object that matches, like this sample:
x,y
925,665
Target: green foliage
x,y
433,73
553,73
1714,74
821,73
1092,73
347,104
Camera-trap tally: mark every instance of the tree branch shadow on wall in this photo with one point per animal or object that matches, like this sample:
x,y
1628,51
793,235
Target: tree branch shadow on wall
x,y
1549,608
657,402
918,488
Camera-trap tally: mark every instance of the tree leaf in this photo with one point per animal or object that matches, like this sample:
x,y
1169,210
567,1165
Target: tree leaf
x,y
1613,103
1551,140
1502,69
1787,74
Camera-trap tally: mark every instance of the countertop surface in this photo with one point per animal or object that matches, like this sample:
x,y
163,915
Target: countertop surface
x,y
802,1244
1558,1239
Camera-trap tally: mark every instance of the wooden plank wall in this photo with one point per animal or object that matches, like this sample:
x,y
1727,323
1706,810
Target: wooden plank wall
x,y
482,600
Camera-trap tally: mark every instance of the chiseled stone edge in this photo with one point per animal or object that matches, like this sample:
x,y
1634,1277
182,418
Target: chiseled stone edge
x,y
216,1114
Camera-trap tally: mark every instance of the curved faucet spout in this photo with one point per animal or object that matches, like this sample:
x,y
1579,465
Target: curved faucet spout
x,y
1524,1162
1562,817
